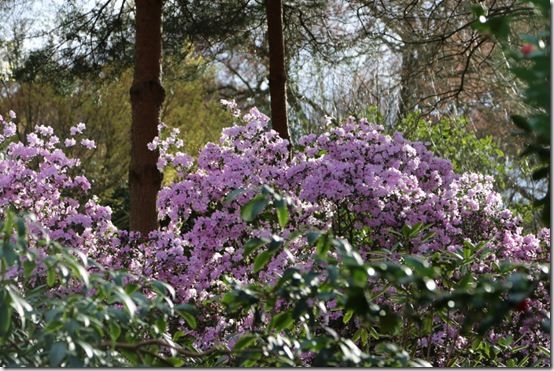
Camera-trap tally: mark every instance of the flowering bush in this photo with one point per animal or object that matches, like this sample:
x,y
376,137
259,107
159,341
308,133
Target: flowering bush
x,y
386,195
104,319
36,176
107,320
293,326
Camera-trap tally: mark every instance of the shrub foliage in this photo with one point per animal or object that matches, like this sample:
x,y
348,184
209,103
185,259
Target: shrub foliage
x,y
356,249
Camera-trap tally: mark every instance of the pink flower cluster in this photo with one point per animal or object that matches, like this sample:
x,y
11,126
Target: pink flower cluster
x,y
354,179
38,177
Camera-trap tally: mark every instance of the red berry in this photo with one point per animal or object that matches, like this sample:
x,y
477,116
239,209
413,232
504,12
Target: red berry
x,y
526,49
524,306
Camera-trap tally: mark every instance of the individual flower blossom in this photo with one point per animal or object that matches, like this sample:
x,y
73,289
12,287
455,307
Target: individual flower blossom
x,y
88,143
78,129
153,145
232,106
9,129
183,160
70,142
161,163
82,182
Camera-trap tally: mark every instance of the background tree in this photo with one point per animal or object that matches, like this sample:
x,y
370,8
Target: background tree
x,y
444,61
277,73
147,95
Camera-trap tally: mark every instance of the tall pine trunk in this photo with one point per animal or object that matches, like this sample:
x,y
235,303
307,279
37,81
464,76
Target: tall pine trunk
x,y
277,74
147,95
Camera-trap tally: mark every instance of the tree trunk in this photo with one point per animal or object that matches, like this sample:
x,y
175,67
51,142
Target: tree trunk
x,y
408,92
277,74
147,95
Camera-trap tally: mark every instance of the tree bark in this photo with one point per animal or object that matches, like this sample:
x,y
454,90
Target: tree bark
x,y
408,93
277,74
147,95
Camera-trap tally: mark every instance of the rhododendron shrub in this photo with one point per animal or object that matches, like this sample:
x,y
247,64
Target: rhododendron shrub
x,y
424,300
38,177
386,195
353,178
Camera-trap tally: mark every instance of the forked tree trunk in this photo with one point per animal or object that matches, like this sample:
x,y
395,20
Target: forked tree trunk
x,y
277,74
147,95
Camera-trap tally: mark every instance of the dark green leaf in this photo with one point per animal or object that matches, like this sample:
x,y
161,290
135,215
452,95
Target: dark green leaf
x,y
282,213
313,236
28,268
253,208
262,260
390,322
51,276
189,318
21,228
347,316
234,194
282,321
253,244
115,331
162,287
5,313
57,354
244,342
161,324
126,300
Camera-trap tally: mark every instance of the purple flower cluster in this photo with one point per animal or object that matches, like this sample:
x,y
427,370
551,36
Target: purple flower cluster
x,y
354,179
37,177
